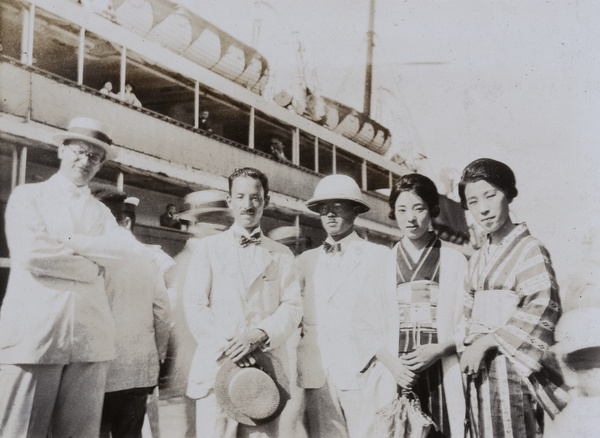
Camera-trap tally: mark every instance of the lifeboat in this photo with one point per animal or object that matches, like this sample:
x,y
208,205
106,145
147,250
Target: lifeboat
x,y
181,31
356,126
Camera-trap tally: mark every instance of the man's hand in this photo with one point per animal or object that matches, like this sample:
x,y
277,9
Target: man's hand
x,y
471,358
239,346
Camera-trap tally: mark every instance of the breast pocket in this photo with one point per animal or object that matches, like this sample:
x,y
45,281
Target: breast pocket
x,y
271,297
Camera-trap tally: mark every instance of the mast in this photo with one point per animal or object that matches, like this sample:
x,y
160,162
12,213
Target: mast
x,y
369,71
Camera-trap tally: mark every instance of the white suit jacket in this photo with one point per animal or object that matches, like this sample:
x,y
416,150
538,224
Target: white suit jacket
x,y
56,310
348,315
140,306
219,304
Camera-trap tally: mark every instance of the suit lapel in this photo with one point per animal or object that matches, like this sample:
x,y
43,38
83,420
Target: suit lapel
x,y
229,262
55,209
261,262
350,260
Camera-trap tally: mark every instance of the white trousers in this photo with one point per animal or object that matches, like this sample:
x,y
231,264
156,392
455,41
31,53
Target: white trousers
x,y
51,400
336,413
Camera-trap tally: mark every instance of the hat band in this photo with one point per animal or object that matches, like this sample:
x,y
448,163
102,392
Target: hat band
x,y
213,204
98,135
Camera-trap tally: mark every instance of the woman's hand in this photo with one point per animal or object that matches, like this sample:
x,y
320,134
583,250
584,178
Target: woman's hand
x,y
423,357
404,377
471,358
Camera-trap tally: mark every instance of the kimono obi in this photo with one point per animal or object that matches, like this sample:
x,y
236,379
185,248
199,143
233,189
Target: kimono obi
x,y
417,304
491,310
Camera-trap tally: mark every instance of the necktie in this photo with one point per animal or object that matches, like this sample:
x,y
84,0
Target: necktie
x,y
332,249
252,240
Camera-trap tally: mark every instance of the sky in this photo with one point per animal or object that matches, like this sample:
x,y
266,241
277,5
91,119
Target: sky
x,y
510,80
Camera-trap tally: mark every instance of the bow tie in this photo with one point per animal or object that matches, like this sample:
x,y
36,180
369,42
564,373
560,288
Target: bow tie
x,y
252,240
332,249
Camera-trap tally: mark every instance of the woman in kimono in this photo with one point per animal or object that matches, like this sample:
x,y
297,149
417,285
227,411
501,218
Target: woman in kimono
x,y
429,278
512,306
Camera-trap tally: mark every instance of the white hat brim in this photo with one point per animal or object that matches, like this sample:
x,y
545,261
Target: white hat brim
x,y
60,138
269,364
313,203
192,215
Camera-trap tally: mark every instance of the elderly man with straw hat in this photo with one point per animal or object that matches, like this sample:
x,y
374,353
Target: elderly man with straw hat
x,y
56,329
350,322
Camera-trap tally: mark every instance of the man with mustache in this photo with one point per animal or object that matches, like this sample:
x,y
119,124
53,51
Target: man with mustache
x,y
56,330
240,294
350,322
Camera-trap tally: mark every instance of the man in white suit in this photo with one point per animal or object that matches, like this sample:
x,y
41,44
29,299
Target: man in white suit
x,y
56,329
350,326
240,294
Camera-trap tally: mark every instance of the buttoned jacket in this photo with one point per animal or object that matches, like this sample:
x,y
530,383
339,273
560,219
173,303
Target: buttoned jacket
x,y
140,306
221,302
56,310
349,315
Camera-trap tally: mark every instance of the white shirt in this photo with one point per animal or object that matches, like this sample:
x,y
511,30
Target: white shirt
x,y
333,261
246,254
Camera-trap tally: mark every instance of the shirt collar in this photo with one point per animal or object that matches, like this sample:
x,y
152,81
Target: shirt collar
x,y
64,184
242,231
345,241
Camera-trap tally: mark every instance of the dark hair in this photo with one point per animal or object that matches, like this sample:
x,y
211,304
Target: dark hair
x,y
421,186
169,205
494,172
250,172
584,359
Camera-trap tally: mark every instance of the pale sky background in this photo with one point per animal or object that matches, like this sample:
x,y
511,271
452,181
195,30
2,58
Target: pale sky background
x,y
518,81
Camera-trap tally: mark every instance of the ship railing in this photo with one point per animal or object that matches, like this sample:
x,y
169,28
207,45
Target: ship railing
x,y
304,149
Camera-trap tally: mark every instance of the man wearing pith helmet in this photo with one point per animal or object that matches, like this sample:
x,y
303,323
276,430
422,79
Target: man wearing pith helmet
x,y
56,329
350,325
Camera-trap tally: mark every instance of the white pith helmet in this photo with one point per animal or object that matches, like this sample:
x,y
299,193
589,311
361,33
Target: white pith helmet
x,y
337,188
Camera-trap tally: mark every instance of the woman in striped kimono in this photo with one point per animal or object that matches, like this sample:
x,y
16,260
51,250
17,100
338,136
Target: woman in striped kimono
x,y
429,278
512,306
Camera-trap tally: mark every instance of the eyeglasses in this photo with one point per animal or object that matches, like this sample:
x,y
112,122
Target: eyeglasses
x,y
92,157
336,208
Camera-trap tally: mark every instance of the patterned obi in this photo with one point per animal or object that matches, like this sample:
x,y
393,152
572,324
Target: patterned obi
x,y
417,304
491,310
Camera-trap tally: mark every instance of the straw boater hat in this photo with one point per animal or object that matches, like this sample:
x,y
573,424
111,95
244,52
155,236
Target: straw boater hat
x,y
202,202
286,235
337,188
91,131
253,395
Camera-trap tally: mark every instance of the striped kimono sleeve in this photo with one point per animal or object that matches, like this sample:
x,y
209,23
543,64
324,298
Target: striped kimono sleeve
x,y
530,331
